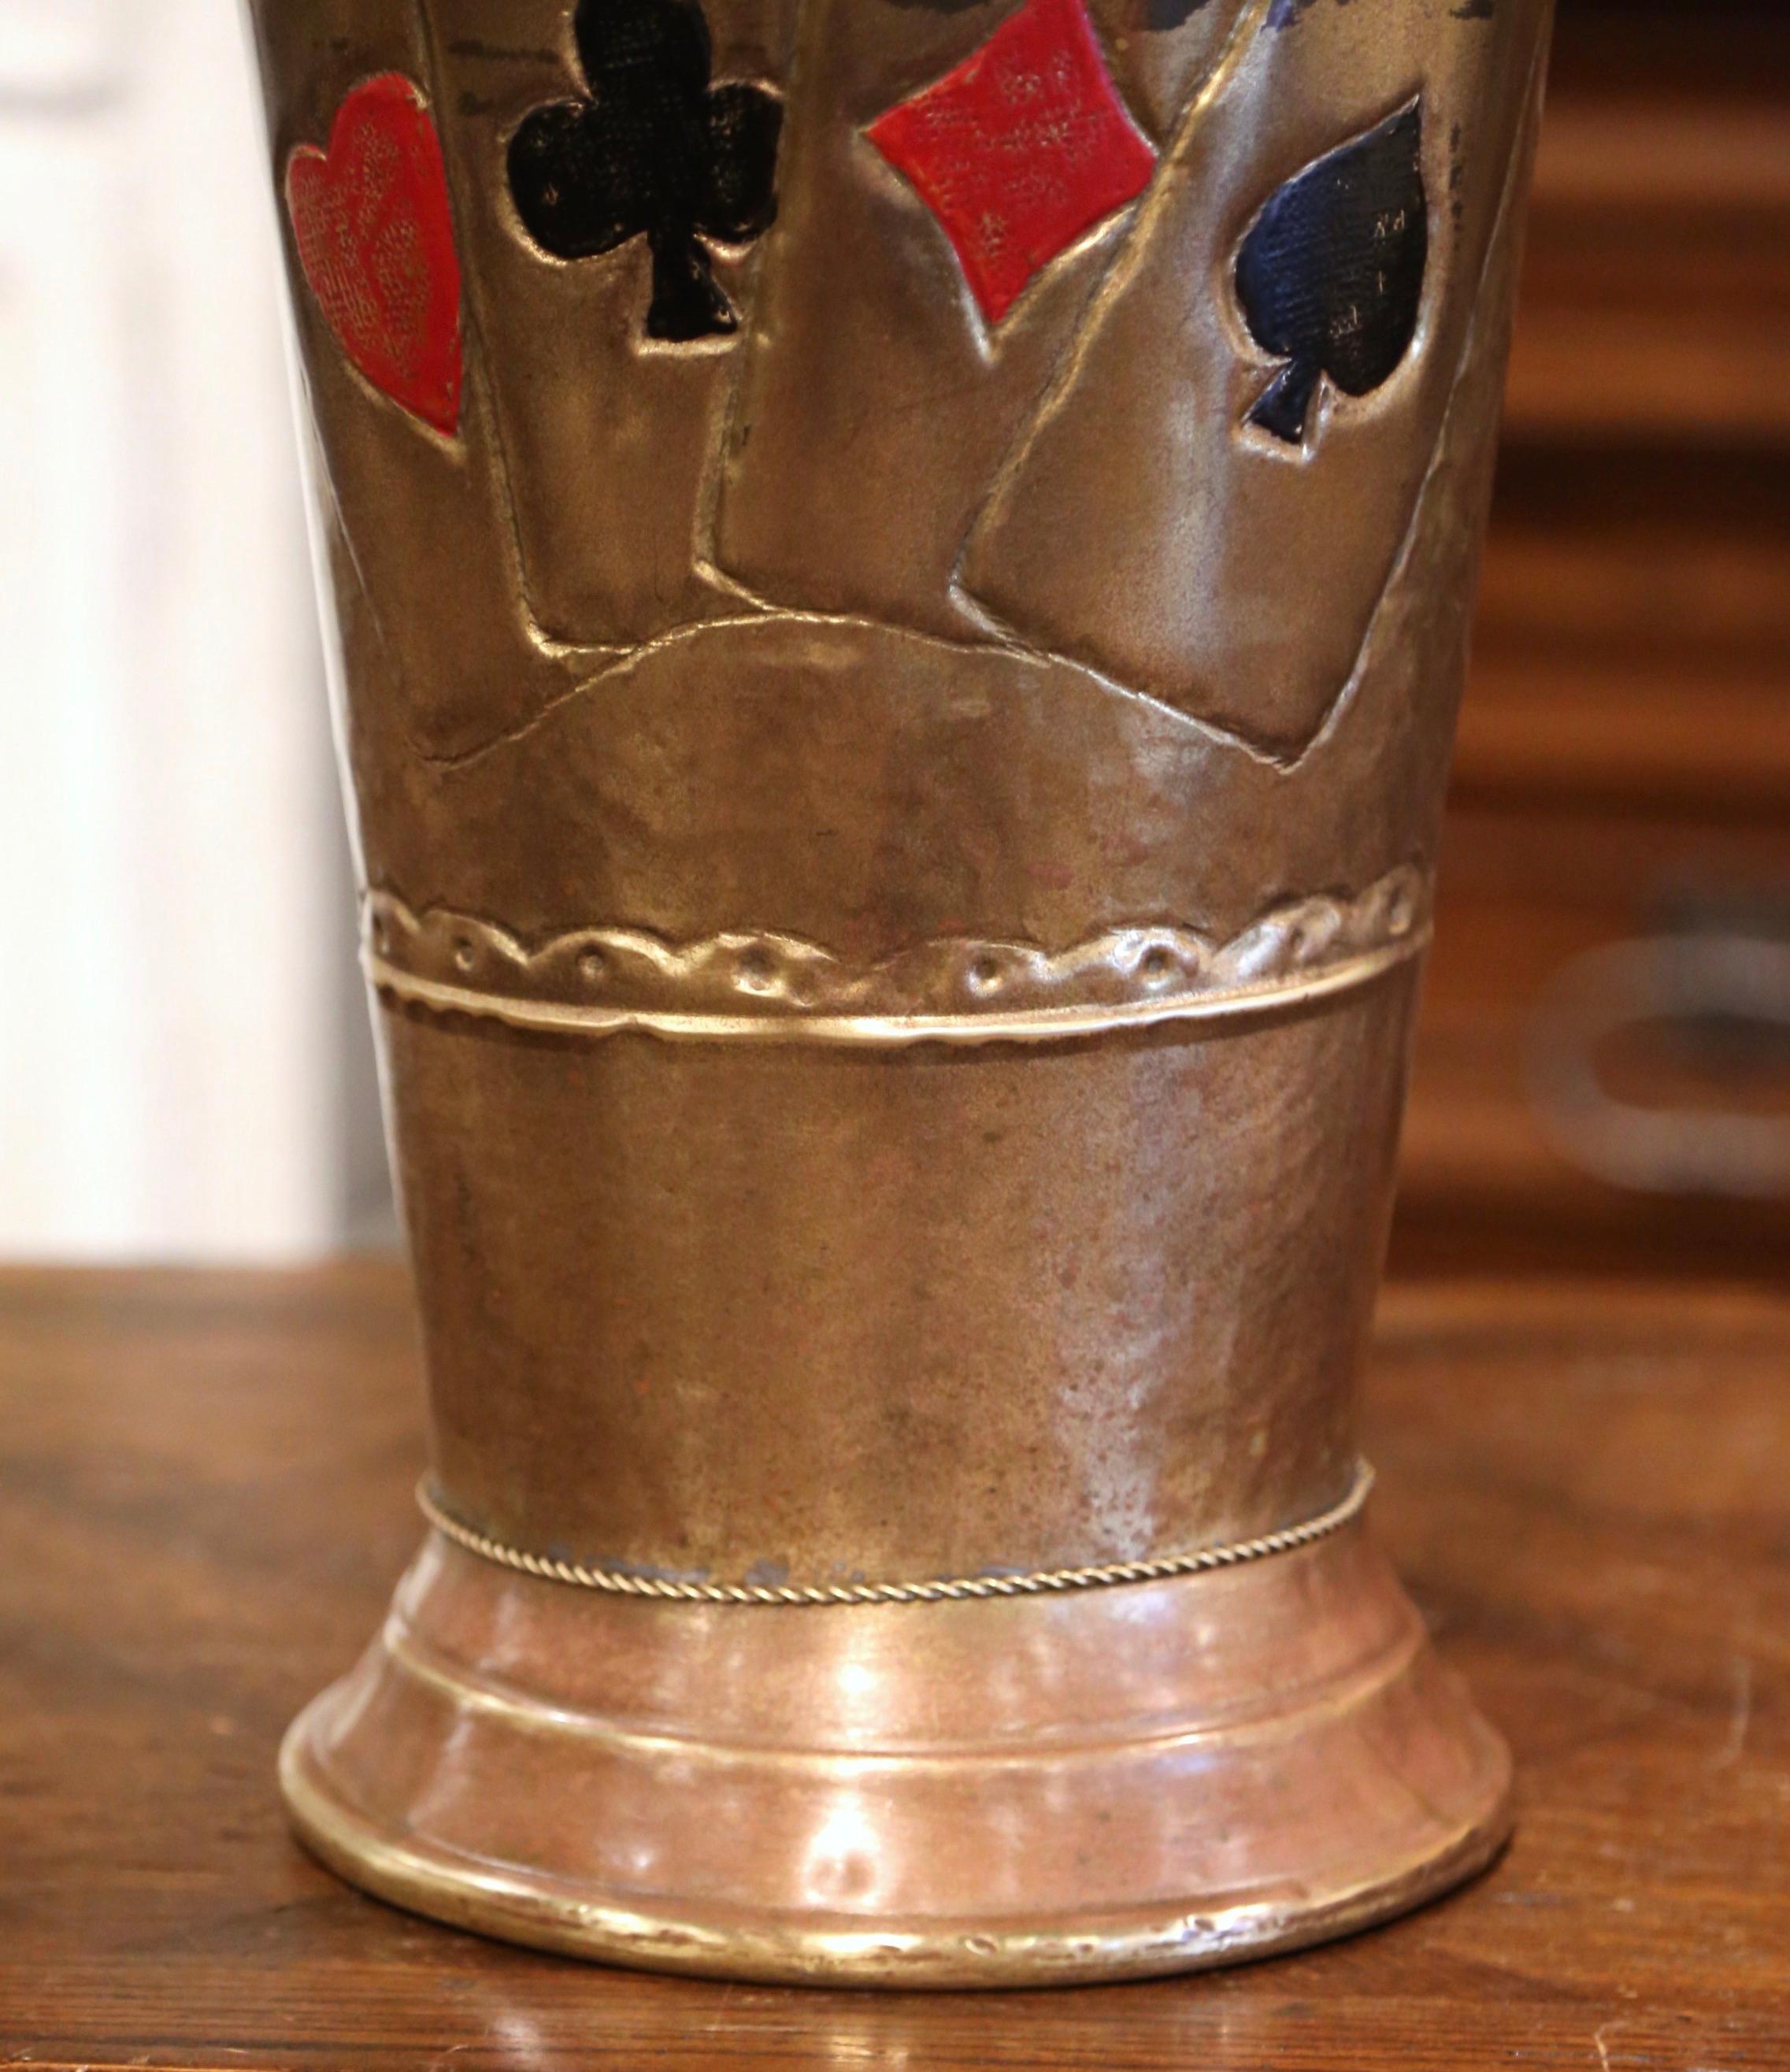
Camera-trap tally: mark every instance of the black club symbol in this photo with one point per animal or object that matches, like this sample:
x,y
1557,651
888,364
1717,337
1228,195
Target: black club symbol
x,y
655,152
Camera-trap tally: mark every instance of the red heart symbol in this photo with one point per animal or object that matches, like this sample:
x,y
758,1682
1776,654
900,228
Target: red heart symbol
x,y
376,240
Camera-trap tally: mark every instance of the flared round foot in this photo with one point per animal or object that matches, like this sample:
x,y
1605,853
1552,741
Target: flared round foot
x,y
1104,1784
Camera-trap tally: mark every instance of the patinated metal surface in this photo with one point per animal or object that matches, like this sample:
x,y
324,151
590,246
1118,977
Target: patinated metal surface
x,y
1107,1785
896,656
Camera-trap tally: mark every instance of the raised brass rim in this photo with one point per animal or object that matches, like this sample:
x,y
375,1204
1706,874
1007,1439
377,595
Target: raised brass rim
x,y
884,1031
1146,1941
769,986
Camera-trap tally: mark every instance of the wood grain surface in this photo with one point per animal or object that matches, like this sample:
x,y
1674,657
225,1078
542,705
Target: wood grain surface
x,y
1626,734
204,1499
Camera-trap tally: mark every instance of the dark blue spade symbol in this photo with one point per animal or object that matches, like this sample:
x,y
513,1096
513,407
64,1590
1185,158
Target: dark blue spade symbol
x,y
1329,278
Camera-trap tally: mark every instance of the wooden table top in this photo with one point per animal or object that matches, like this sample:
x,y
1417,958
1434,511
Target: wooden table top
x,y
204,1499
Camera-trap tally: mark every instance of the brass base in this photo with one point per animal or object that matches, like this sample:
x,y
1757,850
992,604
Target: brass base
x,y
1106,1784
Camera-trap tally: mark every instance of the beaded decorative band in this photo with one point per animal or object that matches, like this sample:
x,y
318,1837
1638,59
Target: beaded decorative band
x,y
620,1582
761,985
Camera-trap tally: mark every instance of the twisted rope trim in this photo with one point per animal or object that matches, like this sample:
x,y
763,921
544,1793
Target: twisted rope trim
x,y
620,1583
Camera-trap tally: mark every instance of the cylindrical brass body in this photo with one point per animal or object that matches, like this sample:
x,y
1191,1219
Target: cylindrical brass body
x,y
900,577
800,1314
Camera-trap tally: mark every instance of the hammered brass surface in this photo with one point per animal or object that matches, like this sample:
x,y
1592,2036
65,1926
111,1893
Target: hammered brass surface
x,y
853,1321
897,847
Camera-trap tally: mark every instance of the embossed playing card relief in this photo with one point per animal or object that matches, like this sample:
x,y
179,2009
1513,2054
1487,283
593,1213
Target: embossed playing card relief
x,y
1210,503
941,229
857,330
617,166
414,503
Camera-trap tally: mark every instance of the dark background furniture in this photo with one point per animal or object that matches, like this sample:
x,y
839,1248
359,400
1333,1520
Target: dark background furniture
x,y
1624,757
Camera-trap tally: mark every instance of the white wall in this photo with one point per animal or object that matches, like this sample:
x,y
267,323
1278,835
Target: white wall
x,y
176,1043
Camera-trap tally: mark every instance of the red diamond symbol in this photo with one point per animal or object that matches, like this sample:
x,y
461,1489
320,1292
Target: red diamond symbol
x,y
1020,149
